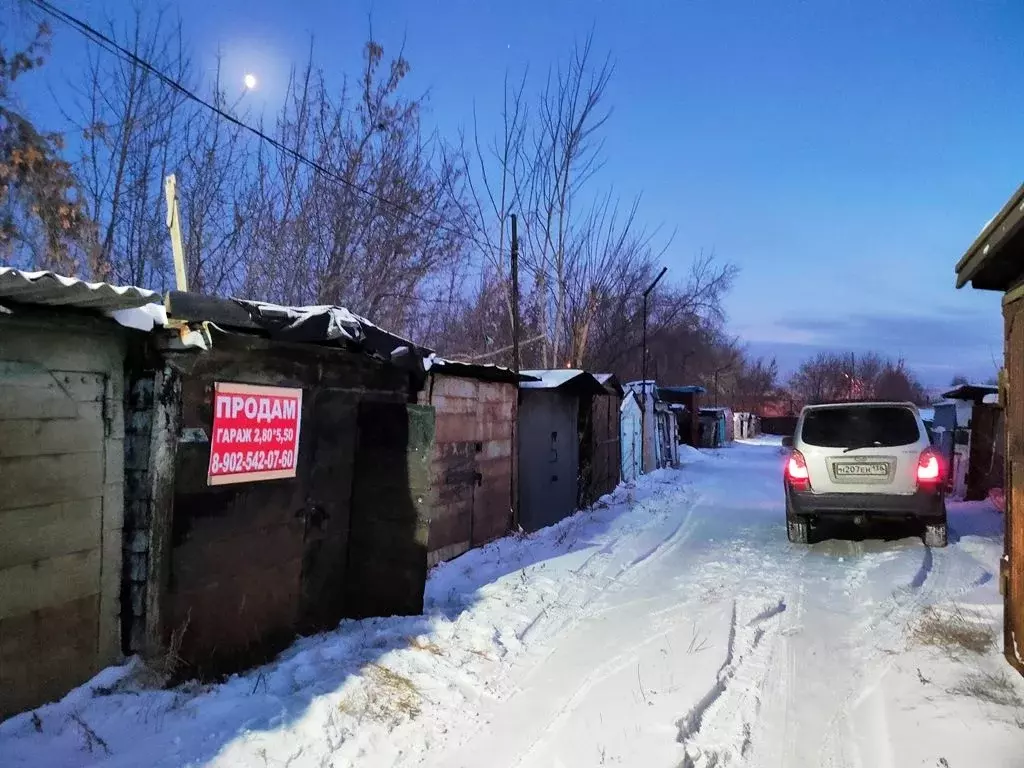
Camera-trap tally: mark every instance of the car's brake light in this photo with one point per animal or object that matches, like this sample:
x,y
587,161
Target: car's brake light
x,y
797,474
929,468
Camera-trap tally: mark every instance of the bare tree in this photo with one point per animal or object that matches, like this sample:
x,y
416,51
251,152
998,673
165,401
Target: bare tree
x,y
829,376
496,175
131,126
42,220
214,183
567,152
374,228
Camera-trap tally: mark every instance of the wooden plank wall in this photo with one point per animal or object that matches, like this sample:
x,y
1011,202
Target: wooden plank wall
x,y
61,507
472,462
1013,560
607,454
982,475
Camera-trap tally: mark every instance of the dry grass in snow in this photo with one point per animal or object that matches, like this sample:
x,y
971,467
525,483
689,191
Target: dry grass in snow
x,y
992,687
954,631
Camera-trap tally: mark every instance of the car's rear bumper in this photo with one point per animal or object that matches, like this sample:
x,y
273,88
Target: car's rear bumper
x,y
924,504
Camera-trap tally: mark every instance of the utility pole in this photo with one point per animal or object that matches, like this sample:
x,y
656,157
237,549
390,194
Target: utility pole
x,y
174,225
643,364
516,366
516,361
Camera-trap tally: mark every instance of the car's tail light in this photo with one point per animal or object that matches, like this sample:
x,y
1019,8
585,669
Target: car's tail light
x,y
796,472
929,468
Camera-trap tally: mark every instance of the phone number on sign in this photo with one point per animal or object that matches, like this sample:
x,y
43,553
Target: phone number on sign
x,y
251,461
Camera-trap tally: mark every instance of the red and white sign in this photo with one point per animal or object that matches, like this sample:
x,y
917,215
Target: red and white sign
x,y
255,433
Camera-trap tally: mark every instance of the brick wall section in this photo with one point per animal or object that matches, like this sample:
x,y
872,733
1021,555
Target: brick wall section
x,y
472,464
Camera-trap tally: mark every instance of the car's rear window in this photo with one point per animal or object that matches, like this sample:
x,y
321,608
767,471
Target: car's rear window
x,y
881,426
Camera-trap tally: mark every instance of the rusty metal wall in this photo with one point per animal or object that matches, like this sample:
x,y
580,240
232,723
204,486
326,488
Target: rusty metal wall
x,y
251,564
472,463
1013,560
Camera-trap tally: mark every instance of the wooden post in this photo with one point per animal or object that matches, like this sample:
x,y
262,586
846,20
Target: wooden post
x,y
174,225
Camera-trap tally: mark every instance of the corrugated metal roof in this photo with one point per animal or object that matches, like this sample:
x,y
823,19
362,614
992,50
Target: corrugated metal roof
x,y
53,290
482,371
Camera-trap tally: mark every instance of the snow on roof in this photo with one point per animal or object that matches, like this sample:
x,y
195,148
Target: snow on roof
x,y
553,378
610,382
557,378
51,289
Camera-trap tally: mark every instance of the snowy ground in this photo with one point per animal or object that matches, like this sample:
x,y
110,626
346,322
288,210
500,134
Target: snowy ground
x,y
673,625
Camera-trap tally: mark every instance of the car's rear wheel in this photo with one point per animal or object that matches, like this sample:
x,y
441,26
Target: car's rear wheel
x,y
936,534
798,529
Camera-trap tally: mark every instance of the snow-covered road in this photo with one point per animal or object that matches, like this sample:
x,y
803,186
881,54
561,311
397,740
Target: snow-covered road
x,y
672,625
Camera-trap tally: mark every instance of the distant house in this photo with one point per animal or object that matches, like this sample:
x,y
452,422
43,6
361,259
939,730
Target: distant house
x,y
995,262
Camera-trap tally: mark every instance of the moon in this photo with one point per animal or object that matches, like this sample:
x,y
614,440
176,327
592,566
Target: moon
x,y
250,81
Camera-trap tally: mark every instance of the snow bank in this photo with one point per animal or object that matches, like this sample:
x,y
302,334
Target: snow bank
x,y
772,440
371,692
690,455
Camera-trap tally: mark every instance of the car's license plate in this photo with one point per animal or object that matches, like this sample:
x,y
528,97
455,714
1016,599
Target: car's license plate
x,y
877,469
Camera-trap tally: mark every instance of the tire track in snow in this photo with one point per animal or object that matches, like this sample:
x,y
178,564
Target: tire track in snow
x,y
575,602
927,563
875,636
719,727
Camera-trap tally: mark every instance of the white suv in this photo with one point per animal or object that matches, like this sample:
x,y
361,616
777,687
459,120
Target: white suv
x,y
860,461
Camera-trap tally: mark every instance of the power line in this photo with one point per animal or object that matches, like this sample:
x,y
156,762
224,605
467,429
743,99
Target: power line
x,y
112,47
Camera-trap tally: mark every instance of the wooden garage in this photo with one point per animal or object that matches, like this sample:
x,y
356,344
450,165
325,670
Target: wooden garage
x,y
241,562
995,262
61,482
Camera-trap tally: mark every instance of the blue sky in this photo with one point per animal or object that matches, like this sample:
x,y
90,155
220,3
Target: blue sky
x,y
843,154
